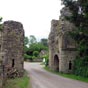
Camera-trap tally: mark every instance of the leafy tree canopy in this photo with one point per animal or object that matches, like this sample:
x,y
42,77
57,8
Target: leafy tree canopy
x,y
26,41
34,47
79,17
44,42
32,40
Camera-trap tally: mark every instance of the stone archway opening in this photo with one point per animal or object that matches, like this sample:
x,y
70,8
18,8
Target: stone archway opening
x,y
56,63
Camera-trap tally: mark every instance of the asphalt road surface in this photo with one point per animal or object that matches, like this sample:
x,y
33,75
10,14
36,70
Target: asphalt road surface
x,y
43,79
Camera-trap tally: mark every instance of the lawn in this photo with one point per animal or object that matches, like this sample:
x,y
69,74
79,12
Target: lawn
x,y
23,82
71,76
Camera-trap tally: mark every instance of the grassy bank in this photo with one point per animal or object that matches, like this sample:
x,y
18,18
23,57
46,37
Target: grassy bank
x,y
71,76
23,82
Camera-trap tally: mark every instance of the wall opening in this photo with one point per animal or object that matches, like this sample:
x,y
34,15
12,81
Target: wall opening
x,y
13,62
56,63
70,65
0,47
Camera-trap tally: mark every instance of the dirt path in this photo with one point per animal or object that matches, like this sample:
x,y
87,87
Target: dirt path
x,y
43,79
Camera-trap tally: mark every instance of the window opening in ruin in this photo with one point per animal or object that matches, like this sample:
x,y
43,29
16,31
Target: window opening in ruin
x,y
13,62
0,47
70,65
2,57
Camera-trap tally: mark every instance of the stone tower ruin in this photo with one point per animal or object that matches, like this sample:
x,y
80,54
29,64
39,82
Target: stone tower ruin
x,y
11,48
62,48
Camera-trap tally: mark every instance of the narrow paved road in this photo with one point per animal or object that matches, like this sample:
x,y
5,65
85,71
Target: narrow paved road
x,y
43,79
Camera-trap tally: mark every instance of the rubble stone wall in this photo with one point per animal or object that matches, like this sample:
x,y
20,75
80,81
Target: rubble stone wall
x,y
1,68
11,49
12,46
62,48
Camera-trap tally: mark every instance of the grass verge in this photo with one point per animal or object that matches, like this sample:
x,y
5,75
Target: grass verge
x,y
71,76
23,82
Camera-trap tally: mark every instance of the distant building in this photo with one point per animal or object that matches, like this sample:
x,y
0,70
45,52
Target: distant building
x,y
43,52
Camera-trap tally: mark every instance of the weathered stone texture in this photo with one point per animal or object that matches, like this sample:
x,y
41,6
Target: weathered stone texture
x,y
61,46
0,77
11,49
1,69
12,45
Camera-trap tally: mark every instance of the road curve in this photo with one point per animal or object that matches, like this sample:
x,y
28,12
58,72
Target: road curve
x,y
43,79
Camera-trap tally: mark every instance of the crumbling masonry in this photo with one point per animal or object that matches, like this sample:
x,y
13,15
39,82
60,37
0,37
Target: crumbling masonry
x,y
11,50
62,48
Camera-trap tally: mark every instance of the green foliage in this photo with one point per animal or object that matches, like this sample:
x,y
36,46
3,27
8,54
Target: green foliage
x,y
32,40
32,52
26,41
37,47
79,17
46,56
27,57
33,57
81,67
46,59
36,53
26,48
71,76
44,42
23,82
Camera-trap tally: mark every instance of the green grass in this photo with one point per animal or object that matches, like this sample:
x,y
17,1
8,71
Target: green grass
x,y
71,76
23,82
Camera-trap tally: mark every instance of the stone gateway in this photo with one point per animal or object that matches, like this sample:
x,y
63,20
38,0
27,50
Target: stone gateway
x,y
62,48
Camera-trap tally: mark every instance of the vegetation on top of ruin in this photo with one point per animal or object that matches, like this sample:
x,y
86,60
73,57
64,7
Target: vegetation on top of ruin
x,y
79,17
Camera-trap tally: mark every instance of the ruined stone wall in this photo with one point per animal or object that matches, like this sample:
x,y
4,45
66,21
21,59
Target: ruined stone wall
x,y
1,67
51,41
0,76
65,58
11,50
61,46
12,45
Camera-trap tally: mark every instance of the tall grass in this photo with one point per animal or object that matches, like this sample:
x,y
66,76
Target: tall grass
x,y
71,76
23,82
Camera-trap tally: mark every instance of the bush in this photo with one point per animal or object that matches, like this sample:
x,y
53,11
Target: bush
x,y
81,67
27,57
33,57
46,59
23,82
35,53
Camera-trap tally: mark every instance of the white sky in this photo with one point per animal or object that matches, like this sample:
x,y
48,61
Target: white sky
x,y
35,15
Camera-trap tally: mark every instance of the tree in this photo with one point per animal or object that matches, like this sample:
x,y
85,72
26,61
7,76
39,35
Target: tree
x,y
35,53
26,41
27,57
37,47
79,17
32,40
44,42
34,48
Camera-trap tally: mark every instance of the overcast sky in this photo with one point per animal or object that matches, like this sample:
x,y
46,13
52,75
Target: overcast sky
x,y
35,15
